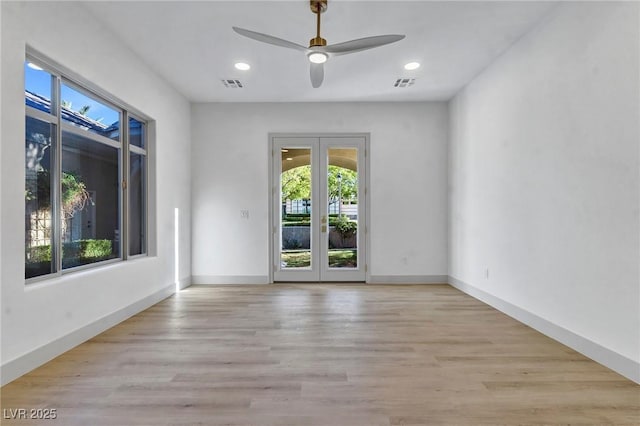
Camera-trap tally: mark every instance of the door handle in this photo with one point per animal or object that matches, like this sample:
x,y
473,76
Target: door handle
x,y
323,228
324,219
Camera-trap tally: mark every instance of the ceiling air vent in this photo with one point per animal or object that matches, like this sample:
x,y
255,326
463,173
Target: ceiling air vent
x,y
404,82
232,84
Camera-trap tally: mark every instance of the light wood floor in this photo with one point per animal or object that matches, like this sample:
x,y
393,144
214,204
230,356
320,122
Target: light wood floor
x,y
323,355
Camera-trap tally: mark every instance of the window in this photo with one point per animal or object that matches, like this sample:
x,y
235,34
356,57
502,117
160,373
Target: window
x,y
38,210
85,175
137,187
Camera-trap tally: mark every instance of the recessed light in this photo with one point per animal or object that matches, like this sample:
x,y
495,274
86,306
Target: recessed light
x,y
33,66
412,66
242,66
284,150
289,158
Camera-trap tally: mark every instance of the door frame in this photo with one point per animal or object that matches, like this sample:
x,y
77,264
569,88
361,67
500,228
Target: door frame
x,y
274,194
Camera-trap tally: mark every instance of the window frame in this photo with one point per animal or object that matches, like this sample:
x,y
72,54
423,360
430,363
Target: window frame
x,y
59,76
144,152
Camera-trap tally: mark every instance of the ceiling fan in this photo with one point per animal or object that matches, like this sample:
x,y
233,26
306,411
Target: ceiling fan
x,y
318,51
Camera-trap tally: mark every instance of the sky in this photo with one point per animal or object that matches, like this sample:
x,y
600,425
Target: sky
x,y
39,82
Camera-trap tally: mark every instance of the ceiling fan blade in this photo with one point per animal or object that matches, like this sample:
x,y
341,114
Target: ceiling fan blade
x,y
317,75
265,38
362,44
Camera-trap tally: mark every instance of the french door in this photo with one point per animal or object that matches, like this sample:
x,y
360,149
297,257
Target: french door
x,y
319,208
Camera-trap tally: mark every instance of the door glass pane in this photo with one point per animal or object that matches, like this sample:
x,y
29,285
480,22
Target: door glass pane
x,y
295,212
342,206
90,201
38,211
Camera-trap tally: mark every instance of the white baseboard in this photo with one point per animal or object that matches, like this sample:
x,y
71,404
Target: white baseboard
x,y
610,359
184,282
230,279
17,367
408,279
264,279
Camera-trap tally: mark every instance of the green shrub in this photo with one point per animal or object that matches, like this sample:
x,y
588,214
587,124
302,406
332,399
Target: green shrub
x,y
345,227
96,248
302,219
87,249
296,216
39,254
75,253
83,249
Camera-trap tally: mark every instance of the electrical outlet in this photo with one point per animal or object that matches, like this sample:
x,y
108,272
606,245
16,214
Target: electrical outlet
x,y
244,214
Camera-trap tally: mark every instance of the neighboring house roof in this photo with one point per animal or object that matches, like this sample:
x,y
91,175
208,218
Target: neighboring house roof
x,y
43,104
111,131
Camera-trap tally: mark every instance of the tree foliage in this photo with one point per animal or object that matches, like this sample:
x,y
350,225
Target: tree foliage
x,y
74,193
296,183
349,187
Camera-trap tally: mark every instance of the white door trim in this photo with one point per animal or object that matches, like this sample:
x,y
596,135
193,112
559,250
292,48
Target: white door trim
x,y
274,193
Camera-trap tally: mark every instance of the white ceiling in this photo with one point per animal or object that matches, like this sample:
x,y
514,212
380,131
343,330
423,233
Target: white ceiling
x,y
192,45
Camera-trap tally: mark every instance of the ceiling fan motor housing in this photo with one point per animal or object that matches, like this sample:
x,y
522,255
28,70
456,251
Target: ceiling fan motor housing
x,y
317,41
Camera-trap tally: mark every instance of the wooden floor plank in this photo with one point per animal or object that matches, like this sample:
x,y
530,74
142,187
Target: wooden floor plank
x,y
339,354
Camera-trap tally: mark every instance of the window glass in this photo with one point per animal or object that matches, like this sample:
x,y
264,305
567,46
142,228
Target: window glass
x,y
38,209
37,87
74,210
137,132
90,201
137,207
295,195
83,111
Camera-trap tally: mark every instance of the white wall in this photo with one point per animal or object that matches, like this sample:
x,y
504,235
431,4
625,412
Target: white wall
x,y
230,173
43,319
1,145
544,178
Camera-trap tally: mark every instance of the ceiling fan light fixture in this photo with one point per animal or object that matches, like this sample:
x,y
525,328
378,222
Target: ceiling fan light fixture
x,y
412,66
317,57
242,66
